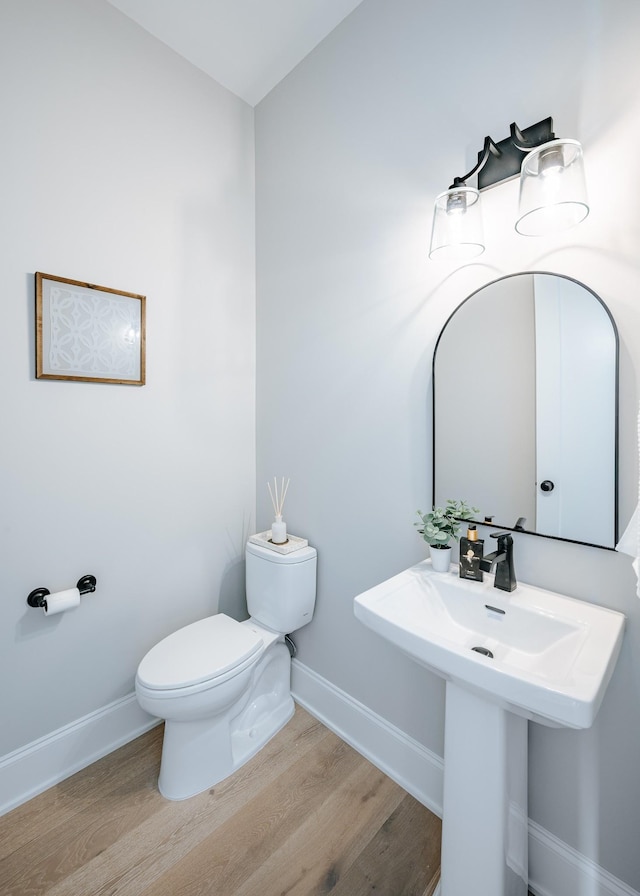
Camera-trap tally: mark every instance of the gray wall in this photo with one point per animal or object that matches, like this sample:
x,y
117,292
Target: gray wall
x,y
121,165
351,150
475,356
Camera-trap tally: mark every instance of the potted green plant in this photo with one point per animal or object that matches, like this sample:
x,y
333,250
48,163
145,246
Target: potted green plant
x,y
440,526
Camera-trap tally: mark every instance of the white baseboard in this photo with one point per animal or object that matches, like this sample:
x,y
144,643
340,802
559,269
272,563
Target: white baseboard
x,y
39,765
555,868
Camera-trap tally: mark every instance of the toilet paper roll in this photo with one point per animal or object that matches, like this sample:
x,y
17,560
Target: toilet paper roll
x,y
60,601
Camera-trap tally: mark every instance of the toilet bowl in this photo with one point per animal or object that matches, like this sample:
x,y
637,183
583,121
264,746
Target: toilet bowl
x,y
222,686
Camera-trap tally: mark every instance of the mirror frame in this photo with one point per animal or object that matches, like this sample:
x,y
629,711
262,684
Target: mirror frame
x,y
616,524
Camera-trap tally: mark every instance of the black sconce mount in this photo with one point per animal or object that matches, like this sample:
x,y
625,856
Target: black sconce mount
x,y
502,161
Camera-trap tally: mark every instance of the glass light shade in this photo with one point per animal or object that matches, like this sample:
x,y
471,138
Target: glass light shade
x,y
457,232
553,193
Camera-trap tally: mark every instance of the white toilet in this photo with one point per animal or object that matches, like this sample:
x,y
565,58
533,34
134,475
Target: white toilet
x,y
223,687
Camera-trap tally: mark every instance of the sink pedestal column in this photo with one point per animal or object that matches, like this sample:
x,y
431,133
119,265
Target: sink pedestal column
x,y
485,820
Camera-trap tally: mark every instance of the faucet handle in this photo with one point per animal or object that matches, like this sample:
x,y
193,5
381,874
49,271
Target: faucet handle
x,y
504,539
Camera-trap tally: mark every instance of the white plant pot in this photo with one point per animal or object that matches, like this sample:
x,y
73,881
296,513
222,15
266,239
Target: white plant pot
x,y
440,558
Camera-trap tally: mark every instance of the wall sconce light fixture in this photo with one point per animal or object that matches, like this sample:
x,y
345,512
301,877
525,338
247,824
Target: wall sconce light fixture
x,y
553,195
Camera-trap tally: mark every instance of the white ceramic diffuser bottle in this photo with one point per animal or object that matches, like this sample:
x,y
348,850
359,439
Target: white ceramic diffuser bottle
x,y
278,530
278,527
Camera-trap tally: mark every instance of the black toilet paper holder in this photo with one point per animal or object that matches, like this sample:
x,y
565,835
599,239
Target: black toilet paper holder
x,y
38,597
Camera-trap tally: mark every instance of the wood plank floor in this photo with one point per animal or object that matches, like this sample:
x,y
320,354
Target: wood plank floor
x,y
308,816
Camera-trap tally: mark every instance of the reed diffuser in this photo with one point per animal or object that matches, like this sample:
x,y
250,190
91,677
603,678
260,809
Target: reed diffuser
x,y
278,527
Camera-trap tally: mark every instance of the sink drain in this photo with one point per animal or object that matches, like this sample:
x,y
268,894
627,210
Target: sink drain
x,y
484,651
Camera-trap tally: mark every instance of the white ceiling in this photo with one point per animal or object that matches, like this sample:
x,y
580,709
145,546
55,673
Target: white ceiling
x,y
247,46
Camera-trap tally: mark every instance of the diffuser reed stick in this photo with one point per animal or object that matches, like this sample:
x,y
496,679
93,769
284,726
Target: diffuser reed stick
x,y
280,495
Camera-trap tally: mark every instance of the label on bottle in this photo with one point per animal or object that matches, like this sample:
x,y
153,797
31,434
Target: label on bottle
x,y
470,557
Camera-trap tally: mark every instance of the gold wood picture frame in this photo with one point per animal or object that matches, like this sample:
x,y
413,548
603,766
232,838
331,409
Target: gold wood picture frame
x,y
89,333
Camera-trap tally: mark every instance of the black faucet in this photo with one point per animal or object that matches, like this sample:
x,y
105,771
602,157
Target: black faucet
x,y
502,559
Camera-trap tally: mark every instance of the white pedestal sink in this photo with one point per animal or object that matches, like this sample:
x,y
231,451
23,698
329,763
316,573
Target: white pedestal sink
x,y
543,657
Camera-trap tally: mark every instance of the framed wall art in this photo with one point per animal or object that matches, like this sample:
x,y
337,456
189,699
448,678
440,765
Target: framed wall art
x,y
89,333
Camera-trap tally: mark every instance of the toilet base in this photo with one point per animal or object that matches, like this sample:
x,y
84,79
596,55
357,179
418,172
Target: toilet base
x,y
197,755
245,744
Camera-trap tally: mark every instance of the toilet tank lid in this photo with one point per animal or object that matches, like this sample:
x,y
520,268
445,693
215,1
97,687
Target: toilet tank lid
x,y
306,553
198,652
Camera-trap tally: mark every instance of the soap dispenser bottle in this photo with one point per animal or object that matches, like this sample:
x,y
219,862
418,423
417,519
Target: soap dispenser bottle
x,y
471,549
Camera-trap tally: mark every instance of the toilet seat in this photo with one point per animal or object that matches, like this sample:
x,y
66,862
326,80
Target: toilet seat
x,y
200,655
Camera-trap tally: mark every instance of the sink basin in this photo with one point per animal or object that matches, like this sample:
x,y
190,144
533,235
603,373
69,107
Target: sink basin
x,y
541,655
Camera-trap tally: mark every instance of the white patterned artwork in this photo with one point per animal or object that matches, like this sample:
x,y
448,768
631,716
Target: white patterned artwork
x,y
87,332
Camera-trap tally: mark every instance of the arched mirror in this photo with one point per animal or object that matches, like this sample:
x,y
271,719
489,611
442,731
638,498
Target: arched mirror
x,y
525,409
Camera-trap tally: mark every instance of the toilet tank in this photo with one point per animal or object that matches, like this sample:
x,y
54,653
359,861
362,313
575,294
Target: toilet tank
x,y
281,588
